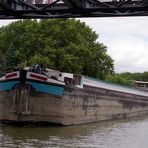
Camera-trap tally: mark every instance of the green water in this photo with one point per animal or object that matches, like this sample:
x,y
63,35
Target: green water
x,y
131,133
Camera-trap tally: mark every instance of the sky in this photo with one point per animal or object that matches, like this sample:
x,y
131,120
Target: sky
x,y
126,39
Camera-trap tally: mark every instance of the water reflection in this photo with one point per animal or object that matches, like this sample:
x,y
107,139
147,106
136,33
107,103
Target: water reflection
x,y
113,134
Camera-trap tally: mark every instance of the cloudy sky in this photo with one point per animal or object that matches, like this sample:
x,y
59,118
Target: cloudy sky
x,y
126,39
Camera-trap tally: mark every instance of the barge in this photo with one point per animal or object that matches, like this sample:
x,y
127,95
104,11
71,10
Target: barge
x,y
40,95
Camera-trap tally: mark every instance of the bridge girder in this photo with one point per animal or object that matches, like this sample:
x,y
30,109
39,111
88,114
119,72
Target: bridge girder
x,y
21,9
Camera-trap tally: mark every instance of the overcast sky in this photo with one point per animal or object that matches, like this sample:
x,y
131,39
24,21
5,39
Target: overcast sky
x,y
125,38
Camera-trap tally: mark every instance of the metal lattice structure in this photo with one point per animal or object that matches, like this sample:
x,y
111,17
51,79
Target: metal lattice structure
x,y
21,9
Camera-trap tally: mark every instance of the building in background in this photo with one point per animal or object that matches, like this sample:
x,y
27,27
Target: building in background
x,y
143,85
40,1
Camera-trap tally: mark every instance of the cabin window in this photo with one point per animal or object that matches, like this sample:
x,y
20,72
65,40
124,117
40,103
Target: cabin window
x,y
60,75
68,80
77,80
53,77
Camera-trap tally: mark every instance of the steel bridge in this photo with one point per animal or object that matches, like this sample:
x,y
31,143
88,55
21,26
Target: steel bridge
x,y
21,9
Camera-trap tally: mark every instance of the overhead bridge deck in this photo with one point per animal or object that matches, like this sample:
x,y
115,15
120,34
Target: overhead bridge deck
x,y
21,9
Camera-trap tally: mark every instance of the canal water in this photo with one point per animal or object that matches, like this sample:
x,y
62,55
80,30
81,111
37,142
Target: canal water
x,y
131,133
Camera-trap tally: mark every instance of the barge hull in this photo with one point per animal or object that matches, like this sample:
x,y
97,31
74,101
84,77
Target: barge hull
x,y
74,106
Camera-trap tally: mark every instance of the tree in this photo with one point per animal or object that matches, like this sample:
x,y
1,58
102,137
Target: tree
x,y
64,44
119,79
127,78
9,60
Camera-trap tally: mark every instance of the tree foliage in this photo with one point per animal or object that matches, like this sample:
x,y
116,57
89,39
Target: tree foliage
x,y
127,78
119,79
65,44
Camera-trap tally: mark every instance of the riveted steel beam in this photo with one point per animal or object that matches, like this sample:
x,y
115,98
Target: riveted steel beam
x,y
21,9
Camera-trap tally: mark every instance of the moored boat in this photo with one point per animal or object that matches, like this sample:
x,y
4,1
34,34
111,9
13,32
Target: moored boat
x,y
40,95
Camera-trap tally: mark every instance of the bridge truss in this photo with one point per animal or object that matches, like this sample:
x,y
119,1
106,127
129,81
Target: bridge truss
x,y
21,9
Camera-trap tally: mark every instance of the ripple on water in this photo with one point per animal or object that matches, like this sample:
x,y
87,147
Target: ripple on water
x,y
114,134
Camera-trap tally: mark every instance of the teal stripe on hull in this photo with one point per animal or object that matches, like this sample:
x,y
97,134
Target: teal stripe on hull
x,y
7,86
49,89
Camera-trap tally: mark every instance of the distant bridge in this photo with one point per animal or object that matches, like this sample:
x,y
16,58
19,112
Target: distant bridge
x,y
21,9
